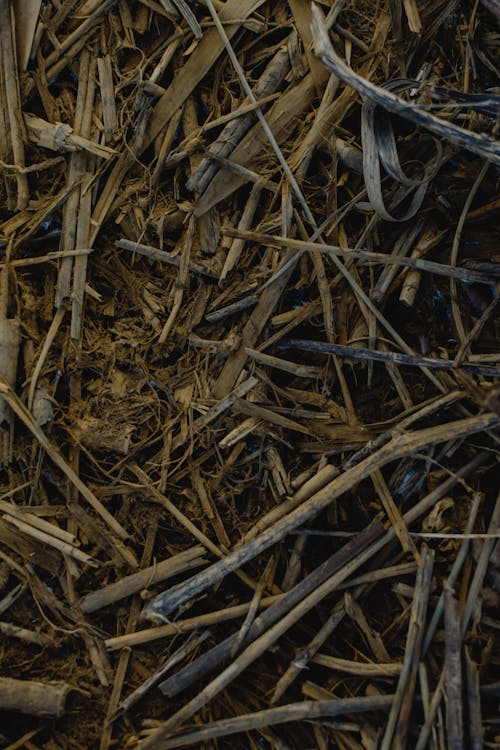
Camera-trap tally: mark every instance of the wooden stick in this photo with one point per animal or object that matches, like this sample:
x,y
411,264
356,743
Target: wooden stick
x,y
303,656
75,172
251,331
184,626
163,257
82,238
134,583
395,735
49,340
304,710
35,698
238,244
62,137
441,269
475,725
481,567
300,371
40,259
361,669
28,636
408,360
7,175
53,541
11,83
192,642
10,338
107,96
254,606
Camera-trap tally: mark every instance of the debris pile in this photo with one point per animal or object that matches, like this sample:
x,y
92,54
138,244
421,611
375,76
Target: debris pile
x,y
249,363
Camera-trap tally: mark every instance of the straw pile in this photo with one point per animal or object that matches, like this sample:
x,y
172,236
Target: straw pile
x,y
249,399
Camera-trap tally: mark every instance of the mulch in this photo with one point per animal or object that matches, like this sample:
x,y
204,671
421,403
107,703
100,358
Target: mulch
x,y
249,374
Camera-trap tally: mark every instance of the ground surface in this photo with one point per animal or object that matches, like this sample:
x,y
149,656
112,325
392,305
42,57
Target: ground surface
x,y
257,360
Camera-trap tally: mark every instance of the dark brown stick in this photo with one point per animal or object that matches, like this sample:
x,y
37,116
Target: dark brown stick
x,y
354,352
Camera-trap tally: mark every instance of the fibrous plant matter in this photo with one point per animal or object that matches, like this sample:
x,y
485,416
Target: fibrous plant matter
x,y
249,396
